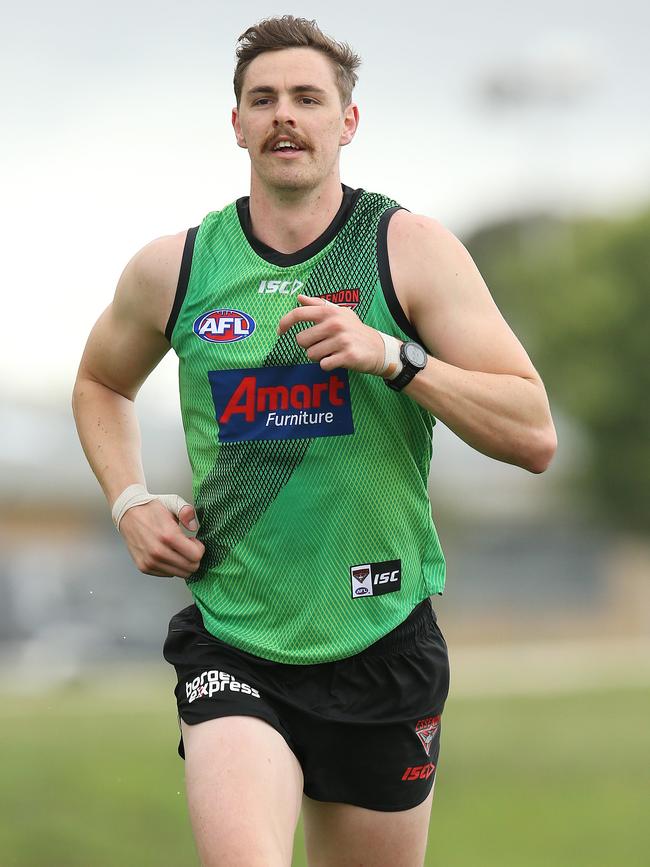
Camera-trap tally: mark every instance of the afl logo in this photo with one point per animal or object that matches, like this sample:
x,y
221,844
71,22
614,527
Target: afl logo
x,y
224,326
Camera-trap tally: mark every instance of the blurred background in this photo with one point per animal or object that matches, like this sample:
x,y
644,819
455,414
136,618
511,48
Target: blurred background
x,y
523,128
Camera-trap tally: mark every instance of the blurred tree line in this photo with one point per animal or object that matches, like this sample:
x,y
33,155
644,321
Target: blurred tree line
x,y
577,291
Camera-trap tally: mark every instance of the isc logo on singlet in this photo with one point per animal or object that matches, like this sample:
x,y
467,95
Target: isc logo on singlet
x,y
283,287
375,579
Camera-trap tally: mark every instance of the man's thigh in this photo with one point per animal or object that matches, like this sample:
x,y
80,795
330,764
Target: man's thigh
x,y
244,788
342,835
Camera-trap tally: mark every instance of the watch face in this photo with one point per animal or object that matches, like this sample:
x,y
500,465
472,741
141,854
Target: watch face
x,y
415,355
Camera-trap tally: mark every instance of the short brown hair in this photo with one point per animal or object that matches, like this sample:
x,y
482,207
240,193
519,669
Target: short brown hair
x,y
274,34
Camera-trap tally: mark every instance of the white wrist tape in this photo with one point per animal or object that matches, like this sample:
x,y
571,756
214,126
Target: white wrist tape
x,y
392,362
138,495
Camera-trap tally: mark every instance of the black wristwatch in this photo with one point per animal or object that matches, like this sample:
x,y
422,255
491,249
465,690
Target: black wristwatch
x,y
414,359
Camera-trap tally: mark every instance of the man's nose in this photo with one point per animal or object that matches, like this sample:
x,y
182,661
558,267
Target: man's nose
x,y
284,113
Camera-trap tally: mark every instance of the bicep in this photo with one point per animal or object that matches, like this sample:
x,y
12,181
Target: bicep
x,y
452,308
121,352
128,339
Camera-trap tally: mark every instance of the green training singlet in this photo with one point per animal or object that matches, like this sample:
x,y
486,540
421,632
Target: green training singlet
x,y
310,486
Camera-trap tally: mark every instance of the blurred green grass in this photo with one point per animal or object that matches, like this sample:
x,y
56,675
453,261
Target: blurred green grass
x,y
92,779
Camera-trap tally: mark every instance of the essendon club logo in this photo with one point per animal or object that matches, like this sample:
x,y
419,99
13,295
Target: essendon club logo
x,y
224,326
342,297
375,579
286,402
426,730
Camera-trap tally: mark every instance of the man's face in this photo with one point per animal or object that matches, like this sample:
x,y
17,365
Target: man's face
x,y
291,96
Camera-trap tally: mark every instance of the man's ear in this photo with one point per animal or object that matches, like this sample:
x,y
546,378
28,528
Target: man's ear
x,y
350,124
239,135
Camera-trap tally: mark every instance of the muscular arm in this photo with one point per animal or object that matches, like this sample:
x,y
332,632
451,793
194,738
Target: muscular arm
x,y
124,346
480,382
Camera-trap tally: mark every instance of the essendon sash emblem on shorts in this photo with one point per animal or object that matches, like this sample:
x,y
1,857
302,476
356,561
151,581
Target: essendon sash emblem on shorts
x,y
278,403
426,730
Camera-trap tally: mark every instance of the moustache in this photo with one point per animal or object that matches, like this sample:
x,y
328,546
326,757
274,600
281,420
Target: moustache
x,y
287,134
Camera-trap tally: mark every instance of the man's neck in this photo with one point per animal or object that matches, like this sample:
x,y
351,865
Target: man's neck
x,y
289,220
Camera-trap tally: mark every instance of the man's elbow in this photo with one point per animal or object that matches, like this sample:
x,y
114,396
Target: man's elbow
x,y
77,394
542,448
82,384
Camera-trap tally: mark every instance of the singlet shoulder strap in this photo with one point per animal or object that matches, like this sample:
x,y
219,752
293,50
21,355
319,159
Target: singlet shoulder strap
x,y
183,281
385,277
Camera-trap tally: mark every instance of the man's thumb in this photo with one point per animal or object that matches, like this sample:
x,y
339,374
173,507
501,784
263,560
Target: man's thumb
x,y
183,511
187,517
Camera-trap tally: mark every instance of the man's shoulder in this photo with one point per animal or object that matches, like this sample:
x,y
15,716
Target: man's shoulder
x,y
148,283
158,262
418,230
152,274
424,242
426,259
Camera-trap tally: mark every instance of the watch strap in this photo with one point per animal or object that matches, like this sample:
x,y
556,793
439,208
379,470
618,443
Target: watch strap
x,y
408,371
403,378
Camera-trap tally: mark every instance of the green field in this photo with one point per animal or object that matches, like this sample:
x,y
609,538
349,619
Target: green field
x,y
523,781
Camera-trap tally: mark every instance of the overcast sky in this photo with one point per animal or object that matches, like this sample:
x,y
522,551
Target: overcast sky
x,y
116,130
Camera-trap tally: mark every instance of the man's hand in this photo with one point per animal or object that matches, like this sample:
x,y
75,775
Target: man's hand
x,y
157,543
338,338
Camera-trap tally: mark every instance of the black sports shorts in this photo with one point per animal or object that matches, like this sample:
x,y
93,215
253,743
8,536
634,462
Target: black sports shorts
x,y
365,729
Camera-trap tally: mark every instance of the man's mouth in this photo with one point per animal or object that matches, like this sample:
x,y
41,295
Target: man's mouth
x,y
285,145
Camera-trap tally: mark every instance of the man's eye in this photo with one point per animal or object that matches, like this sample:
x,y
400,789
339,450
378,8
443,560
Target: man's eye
x,y
265,100
308,100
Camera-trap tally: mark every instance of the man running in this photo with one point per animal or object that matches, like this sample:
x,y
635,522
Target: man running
x,y
320,332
